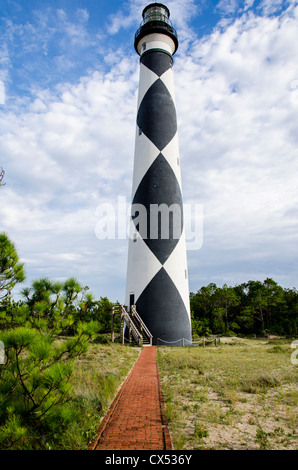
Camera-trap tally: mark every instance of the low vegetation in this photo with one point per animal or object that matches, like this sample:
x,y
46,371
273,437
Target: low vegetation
x,y
57,405
241,394
59,372
97,377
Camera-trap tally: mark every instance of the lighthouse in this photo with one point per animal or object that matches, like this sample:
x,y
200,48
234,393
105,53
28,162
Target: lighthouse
x,y
157,275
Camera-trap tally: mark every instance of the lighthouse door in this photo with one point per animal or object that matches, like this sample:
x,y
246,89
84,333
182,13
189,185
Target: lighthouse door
x,y
131,300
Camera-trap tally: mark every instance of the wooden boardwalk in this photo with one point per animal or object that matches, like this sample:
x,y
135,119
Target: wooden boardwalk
x,y
136,419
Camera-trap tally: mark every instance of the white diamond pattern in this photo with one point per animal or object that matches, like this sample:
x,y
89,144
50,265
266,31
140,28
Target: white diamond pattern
x,y
145,154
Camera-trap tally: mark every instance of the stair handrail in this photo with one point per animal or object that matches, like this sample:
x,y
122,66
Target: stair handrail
x,y
127,318
135,313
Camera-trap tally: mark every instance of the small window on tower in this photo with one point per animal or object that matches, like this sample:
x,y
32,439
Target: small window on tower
x,y
140,131
144,46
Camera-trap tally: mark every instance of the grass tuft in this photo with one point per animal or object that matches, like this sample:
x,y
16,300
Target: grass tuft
x,y
240,395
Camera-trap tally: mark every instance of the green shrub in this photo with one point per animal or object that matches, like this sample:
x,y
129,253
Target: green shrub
x,y
101,339
34,386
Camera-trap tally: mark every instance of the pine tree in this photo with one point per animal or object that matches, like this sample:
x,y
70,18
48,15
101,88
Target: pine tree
x,y
11,269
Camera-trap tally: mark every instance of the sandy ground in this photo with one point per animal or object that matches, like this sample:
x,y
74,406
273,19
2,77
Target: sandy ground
x,y
236,420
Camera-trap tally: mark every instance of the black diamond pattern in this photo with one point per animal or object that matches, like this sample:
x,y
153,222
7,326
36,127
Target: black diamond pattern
x,y
163,309
157,61
157,115
160,303
160,186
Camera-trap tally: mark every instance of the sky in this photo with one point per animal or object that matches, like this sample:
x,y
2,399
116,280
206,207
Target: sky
x,y
68,100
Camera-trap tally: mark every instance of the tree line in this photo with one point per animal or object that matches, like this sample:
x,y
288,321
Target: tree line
x,y
251,308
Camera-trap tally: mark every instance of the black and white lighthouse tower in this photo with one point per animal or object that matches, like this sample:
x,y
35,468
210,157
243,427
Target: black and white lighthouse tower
x,y
157,276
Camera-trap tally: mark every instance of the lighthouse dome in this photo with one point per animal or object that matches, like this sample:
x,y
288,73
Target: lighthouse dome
x,y
156,19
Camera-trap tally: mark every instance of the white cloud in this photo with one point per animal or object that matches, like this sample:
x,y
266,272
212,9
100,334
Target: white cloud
x,y
131,14
67,153
70,148
238,141
248,4
82,14
271,6
227,6
128,15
